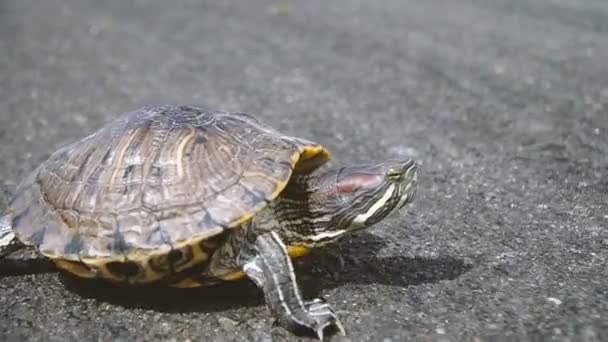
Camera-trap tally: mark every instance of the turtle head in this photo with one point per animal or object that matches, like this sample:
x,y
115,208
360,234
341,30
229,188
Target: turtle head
x,y
368,193
357,197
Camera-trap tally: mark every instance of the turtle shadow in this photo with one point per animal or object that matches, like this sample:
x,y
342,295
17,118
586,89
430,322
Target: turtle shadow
x,y
215,298
352,260
16,267
25,262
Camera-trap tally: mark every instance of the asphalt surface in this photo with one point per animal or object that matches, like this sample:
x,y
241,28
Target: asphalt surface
x,y
504,103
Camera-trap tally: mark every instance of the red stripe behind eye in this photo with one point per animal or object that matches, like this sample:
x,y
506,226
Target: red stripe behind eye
x,y
352,183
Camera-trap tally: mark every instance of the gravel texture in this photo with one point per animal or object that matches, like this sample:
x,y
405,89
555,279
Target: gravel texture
x,y
504,103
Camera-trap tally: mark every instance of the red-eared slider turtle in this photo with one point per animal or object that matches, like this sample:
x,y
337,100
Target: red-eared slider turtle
x,y
188,197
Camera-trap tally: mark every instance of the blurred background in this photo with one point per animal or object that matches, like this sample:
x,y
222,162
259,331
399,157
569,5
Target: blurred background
x,y
504,103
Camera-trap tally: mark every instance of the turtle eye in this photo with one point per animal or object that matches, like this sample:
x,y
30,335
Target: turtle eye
x,y
394,173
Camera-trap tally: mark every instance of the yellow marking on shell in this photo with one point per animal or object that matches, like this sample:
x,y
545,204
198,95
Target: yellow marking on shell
x,y
50,255
198,255
116,161
149,275
100,265
311,151
140,257
179,152
307,159
233,276
296,251
75,268
187,283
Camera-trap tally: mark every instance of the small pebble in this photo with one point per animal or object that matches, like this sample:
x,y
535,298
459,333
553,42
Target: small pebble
x,y
228,324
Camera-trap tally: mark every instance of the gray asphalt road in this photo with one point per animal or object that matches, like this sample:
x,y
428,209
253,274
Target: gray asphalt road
x,y
503,102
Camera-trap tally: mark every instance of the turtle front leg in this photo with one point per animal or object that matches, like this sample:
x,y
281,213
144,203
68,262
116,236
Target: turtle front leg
x,y
8,241
271,269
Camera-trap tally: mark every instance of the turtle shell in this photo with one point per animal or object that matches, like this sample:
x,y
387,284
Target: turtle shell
x,y
151,193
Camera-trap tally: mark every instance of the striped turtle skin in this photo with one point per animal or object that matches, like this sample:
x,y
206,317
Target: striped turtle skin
x,y
186,197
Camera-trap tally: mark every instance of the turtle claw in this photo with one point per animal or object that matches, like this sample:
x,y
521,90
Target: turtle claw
x,y
322,315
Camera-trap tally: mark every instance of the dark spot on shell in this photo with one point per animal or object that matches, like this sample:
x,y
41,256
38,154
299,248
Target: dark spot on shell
x,y
180,257
160,265
128,171
70,217
187,112
125,269
159,237
185,108
63,154
38,237
201,133
106,156
220,125
74,246
266,162
96,174
154,181
175,256
44,195
17,219
156,171
253,197
208,222
200,139
144,124
210,245
119,244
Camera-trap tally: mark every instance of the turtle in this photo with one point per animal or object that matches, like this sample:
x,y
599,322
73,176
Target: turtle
x,y
183,196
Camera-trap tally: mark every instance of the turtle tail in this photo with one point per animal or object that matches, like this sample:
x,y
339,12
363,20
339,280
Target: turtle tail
x,y
8,241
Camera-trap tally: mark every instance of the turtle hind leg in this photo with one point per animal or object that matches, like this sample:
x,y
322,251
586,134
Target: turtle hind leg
x,y
8,241
271,269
